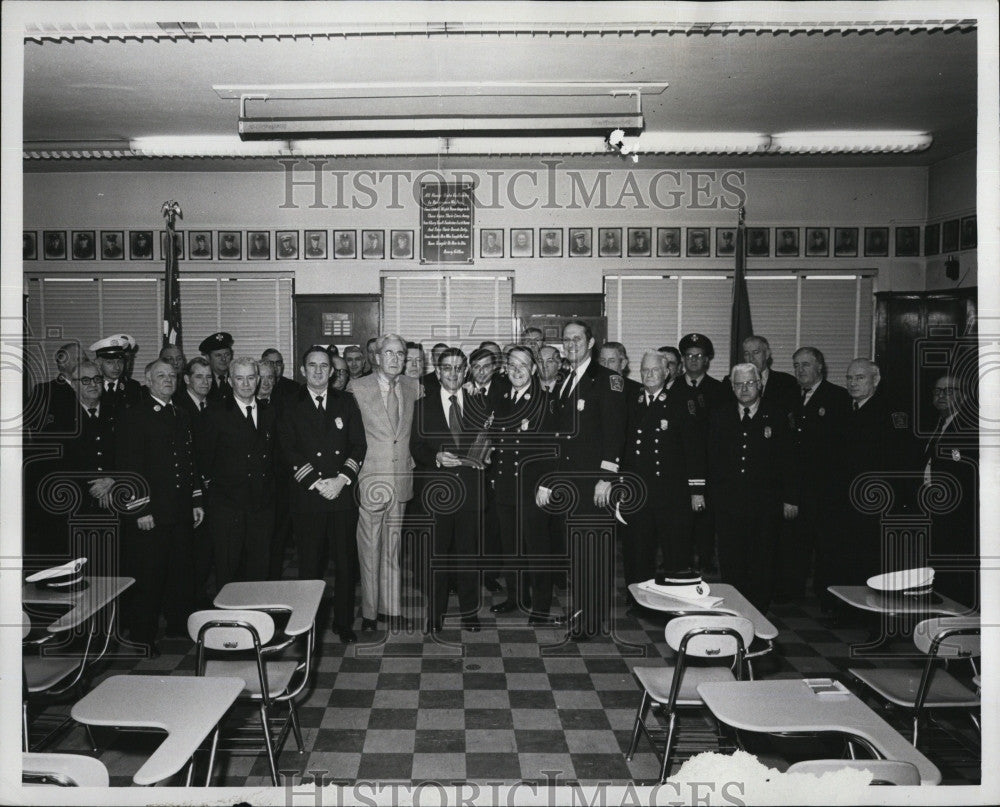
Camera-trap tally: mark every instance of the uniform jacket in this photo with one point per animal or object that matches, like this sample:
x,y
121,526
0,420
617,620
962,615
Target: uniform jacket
x,y
87,449
50,402
760,465
432,434
182,400
128,392
285,389
876,438
480,407
782,389
819,431
155,442
321,445
236,460
521,445
709,393
388,460
219,392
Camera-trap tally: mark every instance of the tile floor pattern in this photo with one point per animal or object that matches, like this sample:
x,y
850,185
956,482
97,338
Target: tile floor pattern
x,y
511,703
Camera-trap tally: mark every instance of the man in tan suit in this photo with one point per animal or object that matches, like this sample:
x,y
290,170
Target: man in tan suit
x,y
385,484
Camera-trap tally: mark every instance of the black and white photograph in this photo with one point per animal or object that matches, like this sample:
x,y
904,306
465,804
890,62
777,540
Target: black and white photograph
x,y
556,404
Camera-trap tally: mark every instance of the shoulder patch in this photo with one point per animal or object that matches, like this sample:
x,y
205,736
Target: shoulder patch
x,y
617,383
899,420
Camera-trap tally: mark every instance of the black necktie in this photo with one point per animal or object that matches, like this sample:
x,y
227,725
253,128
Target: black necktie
x,y
170,409
805,394
854,406
201,406
250,416
746,414
455,418
482,391
319,403
93,412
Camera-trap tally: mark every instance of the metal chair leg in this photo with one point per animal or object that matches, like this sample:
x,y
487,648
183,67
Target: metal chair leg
x,y
294,716
90,737
975,722
637,727
24,726
665,766
211,756
268,744
916,729
190,772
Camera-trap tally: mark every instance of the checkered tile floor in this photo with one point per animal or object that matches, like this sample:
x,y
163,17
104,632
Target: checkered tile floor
x,y
511,704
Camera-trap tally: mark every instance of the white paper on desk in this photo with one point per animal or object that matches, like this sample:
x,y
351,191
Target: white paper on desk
x,y
705,602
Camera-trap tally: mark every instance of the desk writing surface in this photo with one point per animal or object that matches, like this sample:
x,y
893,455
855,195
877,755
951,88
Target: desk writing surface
x,y
300,597
733,602
869,599
790,705
100,592
187,707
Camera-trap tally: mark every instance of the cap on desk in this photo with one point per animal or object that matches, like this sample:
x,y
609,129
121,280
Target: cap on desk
x,y
58,577
685,583
905,581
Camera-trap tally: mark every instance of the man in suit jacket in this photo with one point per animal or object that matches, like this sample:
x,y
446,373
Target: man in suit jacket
x,y
614,356
665,451
235,445
444,429
154,441
753,484
284,388
322,441
588,419
385,398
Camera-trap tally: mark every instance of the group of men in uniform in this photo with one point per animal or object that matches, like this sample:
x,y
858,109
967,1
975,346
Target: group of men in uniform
x,y
540,462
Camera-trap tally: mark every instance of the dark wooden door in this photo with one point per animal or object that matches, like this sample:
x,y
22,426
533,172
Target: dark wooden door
x,y
920,336
334,319
551,311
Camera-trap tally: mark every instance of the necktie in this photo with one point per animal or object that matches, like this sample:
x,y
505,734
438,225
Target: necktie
x,y
319,403
111,386
854,406
567,386
93,412
250,416
169,407
392,405
482,391
805,394
455,418
746,414
201,406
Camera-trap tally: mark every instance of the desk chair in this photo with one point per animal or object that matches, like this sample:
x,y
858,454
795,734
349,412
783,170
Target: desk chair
x,y
63,770
917,690
267,682
715,637
884,771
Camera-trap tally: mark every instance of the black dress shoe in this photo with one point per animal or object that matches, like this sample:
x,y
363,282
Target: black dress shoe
x,y
368,625
347,636
504,607
381,617
492,585
471,624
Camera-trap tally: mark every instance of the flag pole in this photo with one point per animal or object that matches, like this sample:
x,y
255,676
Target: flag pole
x,y
740,324
172,286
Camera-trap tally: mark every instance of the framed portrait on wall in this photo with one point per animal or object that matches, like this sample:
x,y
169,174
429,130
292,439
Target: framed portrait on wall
x,y
968,233
491,242
522,243
345,244
286,245
200,245
54,245
581,244
786,242
640,244
402,245
668,242
817,242
758,242
140,245
230,245
907,242
29,246
845,242
84,245
725,241
697,242
315,245
932,239
550,239
876,242
258,245
112,245
949,236
373,244
609,242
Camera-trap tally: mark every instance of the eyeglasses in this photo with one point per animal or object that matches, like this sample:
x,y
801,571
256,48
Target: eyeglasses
x,y
90,380
945,390
745,384
398,354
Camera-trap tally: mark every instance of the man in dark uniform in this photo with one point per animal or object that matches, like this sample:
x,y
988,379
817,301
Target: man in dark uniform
x,y
154,442
218,349
444,429
781,388
753,485
235,449
55,401
321,438
589,422
664,449
701,394
109,356
614,356
818,415
284,388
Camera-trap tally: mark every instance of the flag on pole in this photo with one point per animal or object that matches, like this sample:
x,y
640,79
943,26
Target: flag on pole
x,y
172,287
740,326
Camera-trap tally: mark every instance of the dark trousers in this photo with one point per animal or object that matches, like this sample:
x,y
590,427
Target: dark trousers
x,y
202,562
160,561
492,539
703,530
281,538
540,549
591,542
241,542
317,537
512,532
748,535
455,551
651,530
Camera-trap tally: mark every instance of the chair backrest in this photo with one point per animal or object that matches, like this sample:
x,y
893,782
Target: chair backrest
x,y
230,630
718,640
953,636
884,771
63,770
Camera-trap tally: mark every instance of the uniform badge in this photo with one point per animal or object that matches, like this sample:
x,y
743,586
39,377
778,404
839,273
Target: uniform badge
x,y
691,408
617,383
642,397
580,404
822,411
899,420
527,396
956,455
701,400
339,422
157,407
767,432
663,425
552,406
524,425
662,397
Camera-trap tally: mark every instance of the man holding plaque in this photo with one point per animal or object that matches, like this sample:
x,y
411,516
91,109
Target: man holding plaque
x,y
447,443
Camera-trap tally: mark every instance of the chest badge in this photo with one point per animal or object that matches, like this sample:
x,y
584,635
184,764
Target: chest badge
x,y
580,404
767,432
339,422
691,407
956,455
663,425
524,425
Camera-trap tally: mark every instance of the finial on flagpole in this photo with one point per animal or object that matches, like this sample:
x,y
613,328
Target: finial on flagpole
x,y
171,210
743,215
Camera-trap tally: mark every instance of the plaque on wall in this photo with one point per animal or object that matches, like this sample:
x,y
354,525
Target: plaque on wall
x,y
446,218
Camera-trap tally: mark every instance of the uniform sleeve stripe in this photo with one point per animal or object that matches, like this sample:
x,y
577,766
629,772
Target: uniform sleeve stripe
x,y
352,465
303,472
696,481
609,466
135,504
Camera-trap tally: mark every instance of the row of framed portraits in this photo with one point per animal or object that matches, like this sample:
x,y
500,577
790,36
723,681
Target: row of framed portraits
x,y
552,242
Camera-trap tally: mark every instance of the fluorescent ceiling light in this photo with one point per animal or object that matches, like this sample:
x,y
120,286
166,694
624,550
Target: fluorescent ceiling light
x,y
204,146
697,143
848,142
